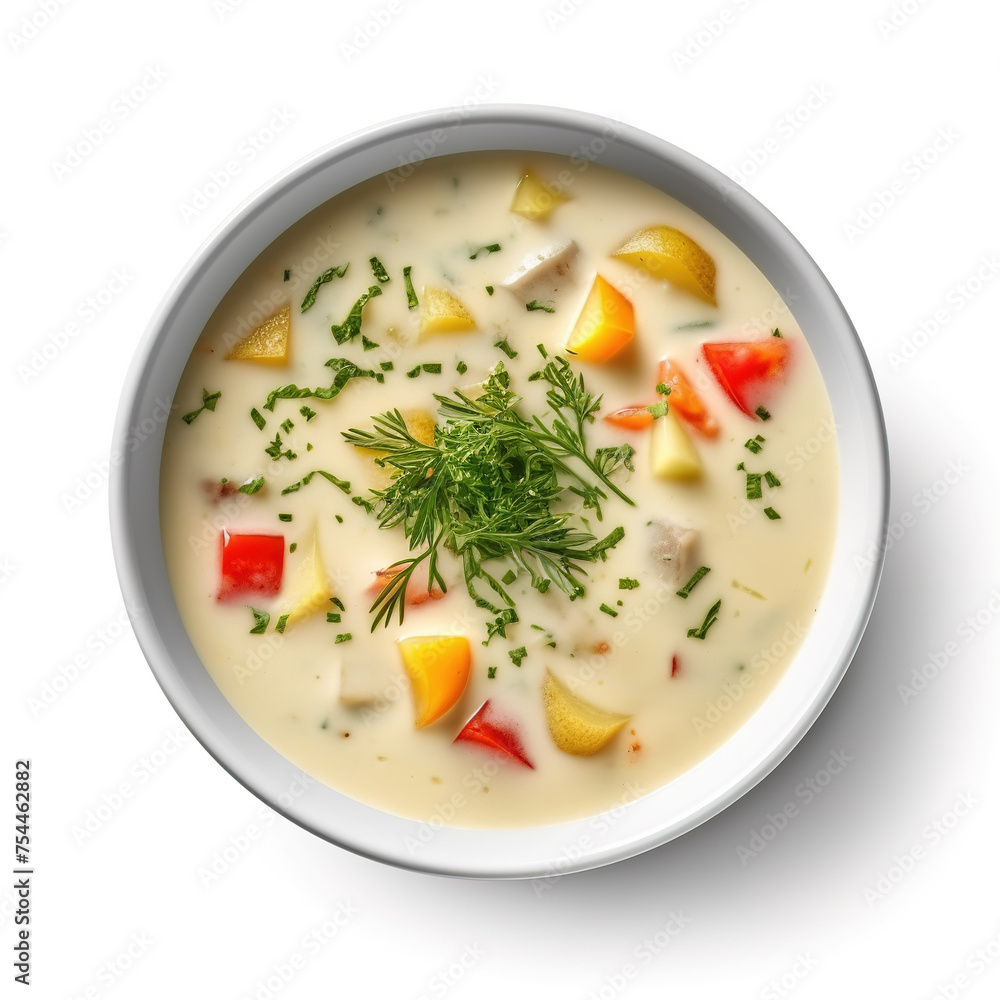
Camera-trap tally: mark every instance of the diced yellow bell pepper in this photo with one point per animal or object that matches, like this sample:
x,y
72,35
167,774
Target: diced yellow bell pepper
x,y
534,199
438,667
605,325
577,726
672,455
442,312
267,344
666,252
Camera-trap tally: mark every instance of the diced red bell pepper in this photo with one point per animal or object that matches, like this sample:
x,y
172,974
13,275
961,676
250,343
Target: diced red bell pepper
x,y
251,564
489,729
631,418
685,401
748,369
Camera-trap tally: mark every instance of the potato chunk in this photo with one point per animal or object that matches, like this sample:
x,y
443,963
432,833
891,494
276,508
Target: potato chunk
x,y
310,589
672,455
668,253
534,199
577,726
672,550
267,344
442,312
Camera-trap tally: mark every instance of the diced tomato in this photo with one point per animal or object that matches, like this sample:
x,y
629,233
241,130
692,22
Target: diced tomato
x,y
632,418
488,729
748,369
685,401
251,564
416,589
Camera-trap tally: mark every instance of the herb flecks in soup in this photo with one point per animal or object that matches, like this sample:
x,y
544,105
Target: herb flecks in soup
x,y
485,500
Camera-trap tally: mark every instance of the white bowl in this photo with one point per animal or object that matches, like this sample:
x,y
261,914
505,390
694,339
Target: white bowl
x,y
639,825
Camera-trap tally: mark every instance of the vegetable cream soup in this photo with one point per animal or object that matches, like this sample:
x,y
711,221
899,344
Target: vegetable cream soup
x,y
493,496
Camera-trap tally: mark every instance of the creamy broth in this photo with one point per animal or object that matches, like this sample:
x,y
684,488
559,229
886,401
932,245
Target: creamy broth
x,y
685,695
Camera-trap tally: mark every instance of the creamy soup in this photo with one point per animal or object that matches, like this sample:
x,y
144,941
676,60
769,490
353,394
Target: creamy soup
x,y
500,495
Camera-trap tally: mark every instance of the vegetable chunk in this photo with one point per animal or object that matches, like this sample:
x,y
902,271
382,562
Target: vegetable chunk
x,y
666,252
577,726
605,324
251,564
540,274
267,344
442,312
438,667
489,729
534,199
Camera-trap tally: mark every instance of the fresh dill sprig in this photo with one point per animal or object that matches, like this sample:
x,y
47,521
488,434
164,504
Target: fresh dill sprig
x,y
487,488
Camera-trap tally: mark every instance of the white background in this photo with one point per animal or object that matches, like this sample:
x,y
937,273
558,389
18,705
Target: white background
x,y
825,909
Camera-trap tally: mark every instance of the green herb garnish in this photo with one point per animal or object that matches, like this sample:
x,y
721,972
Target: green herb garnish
x,y
491,672
693,582
343,637
284,517
386,366
351,327
710,619
287,425
381,275
252,486
281,623
609,611
341,484
697,324
328,275
307,413
368,345
461,368
660,409
275,451
293,546
627,583
487,487
255,416
286,275
489,289
762,413
771,479
535,306
772,514
754,491
504,346
518,655
489,248
208,401
411,296
338,602
775,332
260,622
333,617
754,444
344,371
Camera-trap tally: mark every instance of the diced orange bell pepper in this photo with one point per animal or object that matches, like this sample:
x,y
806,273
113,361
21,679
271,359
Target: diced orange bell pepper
x,y
438,667
685,401
631,418
605,325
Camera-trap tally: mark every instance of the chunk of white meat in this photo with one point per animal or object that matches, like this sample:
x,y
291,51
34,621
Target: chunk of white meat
x,y
541,274
673,551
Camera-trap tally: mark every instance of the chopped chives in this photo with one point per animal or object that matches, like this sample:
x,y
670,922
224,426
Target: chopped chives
x,y
281,623
535,306
762,413
489,248
627,583
491,672
386,366
260,620
411,296
754,491
489,289
381,275
609,611
754,444
307,413
710,619
771,479
504,346
256,417
343,637
693,582
461,368
772,514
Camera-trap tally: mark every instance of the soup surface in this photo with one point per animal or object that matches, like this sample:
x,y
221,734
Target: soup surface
x,y
434,524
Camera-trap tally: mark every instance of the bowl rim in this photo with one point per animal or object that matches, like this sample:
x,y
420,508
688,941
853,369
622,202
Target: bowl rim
x,y
536,852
